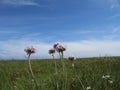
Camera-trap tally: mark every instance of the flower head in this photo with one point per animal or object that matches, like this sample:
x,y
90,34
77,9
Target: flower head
x,y
30,50
106,76
71,58
55,45
110,81
88,88
51,51
59,47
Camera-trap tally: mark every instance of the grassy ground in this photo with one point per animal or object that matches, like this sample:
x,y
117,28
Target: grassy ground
x,y
87,72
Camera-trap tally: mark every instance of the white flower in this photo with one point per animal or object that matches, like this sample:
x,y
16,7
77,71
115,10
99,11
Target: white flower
x,y
110,81
73,65
103,76
107,76
88,88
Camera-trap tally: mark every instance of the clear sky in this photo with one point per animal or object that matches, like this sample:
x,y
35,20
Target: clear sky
x,y
87,27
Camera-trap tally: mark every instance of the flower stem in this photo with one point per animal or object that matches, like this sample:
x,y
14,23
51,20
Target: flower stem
x,y
63,65
55,72
55,64
33,77
64,70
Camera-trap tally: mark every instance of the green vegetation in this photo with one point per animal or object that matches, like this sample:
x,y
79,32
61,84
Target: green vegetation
x,y
85,74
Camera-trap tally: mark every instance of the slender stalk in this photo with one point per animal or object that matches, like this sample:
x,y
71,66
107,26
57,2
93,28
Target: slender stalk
x,y
33,77
64,71
55,64
81,83
60,55
55,71
63,65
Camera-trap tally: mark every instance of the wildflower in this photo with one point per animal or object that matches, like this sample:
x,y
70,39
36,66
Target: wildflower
x,y
88,88
106,76
52,51
71,58
55,45
30,50
110,81
59,47
73,65
103,76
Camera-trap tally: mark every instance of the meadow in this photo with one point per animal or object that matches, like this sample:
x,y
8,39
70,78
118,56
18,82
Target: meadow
x,y
101,73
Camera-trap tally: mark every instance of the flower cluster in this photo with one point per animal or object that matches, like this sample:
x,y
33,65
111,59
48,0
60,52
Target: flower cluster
x,y
30,50
71,58
107,77
59,47
51,51
88,88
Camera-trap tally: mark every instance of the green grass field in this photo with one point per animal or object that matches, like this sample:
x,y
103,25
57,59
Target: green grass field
x,y
87,72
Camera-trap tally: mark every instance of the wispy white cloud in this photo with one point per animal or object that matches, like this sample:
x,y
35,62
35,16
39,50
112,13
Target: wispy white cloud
x,y
91,48
14,49
19,2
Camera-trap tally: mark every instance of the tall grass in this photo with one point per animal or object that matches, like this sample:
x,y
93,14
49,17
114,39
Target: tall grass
x,y
87,72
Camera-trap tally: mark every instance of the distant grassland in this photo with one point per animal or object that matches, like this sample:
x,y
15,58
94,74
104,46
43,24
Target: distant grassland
x,y
87,72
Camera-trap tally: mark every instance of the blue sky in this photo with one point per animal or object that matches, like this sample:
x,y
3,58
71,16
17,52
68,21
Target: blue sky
x,y
87,27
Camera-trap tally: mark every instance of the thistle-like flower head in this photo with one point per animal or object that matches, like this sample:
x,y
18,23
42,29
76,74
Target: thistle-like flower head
x,y
51,51
71,58
30,50
59,47
55,45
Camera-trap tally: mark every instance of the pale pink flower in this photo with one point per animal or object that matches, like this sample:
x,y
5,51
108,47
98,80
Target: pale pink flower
x,y
59,47
55,45
30,50
51,51
71,58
